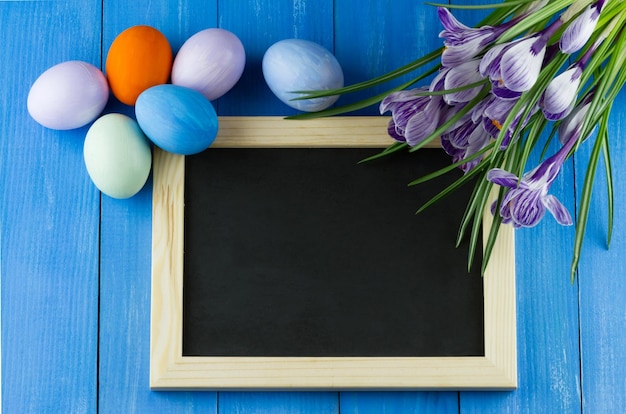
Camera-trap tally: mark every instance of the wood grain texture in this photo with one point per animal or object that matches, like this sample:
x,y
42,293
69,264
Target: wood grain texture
x,y
259,24
547,321
49,216
372,38
125,243
169,369
276,132
399,402
548,356
279,402
602,280
376,37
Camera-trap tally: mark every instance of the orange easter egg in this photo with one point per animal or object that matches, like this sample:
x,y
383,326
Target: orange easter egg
x,y
140,57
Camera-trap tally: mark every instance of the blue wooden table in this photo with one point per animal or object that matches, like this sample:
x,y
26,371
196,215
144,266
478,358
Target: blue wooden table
x,y
75,264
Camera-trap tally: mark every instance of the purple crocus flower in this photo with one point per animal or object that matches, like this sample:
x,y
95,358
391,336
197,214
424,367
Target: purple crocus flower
x,y
413,116
558,99
465,141
495,112
527,200
579,31
516,65
464,74
573,123
463,43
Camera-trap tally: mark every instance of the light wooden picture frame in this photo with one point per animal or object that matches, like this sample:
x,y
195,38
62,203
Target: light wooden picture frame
x,y
170,370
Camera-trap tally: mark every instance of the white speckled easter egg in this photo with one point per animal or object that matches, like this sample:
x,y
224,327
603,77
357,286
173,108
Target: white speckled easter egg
x,y
117,155
177,119
300,65
210,62
68,95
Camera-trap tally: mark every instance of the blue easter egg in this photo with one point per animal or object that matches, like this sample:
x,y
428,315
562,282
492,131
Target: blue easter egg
x,y
177,119
300,65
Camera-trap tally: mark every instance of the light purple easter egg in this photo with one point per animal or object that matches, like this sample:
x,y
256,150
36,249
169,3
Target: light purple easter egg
x,y
300,65
210,62
68,95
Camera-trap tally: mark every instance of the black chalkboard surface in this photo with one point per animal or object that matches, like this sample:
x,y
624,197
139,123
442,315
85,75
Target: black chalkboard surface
x,y
304,252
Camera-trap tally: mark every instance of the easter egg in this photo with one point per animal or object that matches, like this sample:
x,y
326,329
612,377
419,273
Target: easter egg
x,y
68,95
210,62
300,65
139,57
117,155
177,119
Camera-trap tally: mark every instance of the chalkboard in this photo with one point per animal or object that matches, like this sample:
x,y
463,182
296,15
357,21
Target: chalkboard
x,y
293,252
304,256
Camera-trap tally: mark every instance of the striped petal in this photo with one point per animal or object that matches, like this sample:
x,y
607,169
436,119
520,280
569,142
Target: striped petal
x,y
580,30
558,210
558,99
521,64
459,76
502,178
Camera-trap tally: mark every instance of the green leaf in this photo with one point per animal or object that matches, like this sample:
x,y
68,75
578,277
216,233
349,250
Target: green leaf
x,y
507,4
446,125
451,167
403,70
539,17
449,189
395,147
603,134
585,201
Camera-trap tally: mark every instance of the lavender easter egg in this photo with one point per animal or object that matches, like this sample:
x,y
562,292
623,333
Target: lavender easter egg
x,y
210,62
68,95
300,65
177,119
117,155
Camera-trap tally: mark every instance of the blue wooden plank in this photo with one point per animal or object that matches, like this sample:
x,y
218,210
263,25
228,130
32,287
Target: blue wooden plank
x,y
382,38
49,219
399,402
547,320
259,24
547,310
126,243
278,403
125,314
602,280
376,37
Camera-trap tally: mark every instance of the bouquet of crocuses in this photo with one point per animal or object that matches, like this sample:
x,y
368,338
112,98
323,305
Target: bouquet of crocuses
x,y
529,68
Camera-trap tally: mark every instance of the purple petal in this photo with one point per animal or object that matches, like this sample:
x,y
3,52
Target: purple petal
x,y
558,210
461,75
393,132
450,149
573,122
449,22
502,178
499,109
558,98
422,124
521,64
501,92
490,62
394,99
437,84
579,31
456,55
527,210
